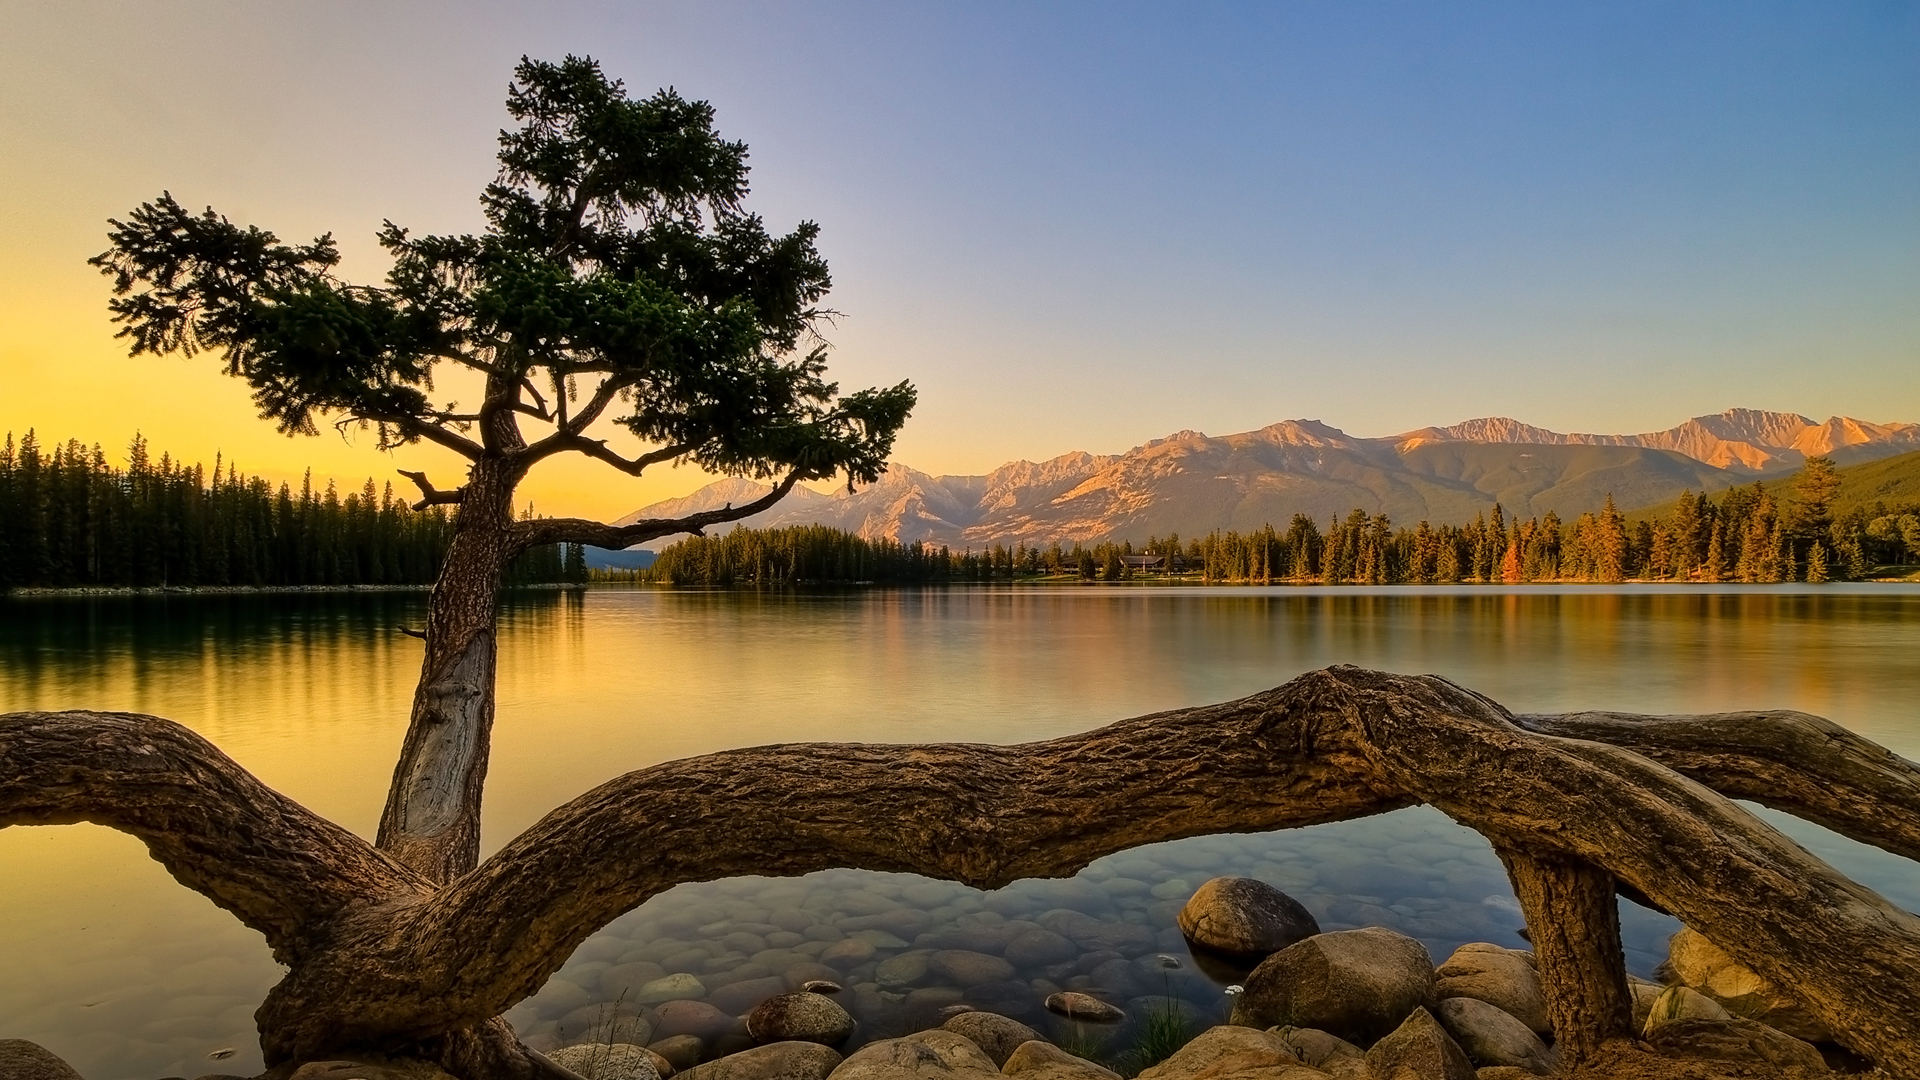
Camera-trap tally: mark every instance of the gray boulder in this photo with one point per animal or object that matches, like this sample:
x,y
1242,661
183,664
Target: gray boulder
x,y
1224,1050
1422,1047
1356,984
1504,978
802,1017
774,1061
997,1036
1244,917
925,1055
607,1061
23,1060
1491,1036
1041,1060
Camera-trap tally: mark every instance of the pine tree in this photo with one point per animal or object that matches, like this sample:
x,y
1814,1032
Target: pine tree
x,y
1817,564
1716,565
1610,554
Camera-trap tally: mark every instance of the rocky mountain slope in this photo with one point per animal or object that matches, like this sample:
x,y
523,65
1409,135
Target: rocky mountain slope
x,y
1191,483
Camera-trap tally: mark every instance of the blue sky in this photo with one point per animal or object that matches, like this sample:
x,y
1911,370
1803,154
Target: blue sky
x,y
1081,226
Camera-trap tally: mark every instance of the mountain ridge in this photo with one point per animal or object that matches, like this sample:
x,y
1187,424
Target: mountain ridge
x,y
1190,482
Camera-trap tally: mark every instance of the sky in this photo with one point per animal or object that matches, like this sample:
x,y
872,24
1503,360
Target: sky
x,y
1072,226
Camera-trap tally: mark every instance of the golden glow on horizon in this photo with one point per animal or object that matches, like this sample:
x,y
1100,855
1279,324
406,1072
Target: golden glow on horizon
x,y
66,376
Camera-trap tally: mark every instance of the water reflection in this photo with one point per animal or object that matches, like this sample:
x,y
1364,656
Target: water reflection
x,y
129,975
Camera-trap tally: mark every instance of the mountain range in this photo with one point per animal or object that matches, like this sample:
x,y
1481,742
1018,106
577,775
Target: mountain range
x,y
1191,483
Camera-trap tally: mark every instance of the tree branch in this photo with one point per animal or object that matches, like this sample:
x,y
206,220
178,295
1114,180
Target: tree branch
x,y
1330,745
603,396
560,442
539,531
433,496
1795,762
433,433
278,867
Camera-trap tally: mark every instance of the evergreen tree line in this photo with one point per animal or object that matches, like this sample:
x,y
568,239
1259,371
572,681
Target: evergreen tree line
x,y
802,554
69,519
1750,534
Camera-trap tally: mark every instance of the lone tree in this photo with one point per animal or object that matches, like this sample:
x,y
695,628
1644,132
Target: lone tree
x,y
690,317
618,278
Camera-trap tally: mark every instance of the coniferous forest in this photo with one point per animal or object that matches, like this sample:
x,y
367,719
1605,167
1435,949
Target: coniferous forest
x,y
1749,534
69,519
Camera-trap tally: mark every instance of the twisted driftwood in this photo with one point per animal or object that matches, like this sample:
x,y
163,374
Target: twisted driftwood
x,y
382,959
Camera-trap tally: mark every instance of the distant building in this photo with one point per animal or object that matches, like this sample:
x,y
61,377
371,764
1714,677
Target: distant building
x,y
1142,562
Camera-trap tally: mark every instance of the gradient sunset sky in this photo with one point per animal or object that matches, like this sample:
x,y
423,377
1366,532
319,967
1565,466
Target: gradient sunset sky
x,y
1074,226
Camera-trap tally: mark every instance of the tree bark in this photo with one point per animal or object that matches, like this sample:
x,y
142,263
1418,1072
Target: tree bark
x,y
1574,922
380,959
1794,762
431,822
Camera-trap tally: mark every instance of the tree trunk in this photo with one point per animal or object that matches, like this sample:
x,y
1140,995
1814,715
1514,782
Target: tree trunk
x,y
383,959
1574,922
432,818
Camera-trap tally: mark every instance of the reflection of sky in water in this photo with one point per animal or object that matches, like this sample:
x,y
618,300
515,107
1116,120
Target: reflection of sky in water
x,y
127,974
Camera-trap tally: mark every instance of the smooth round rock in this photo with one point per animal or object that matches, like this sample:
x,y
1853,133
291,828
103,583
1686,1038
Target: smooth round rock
x,y
998,1036
821,986
680,1051
680,986
1356,984
847,953
1083,1007
1705,967
801,1017
1328,1053
1682,1003
691,1018
774,1061
897,972
1244,917
964,968
607,1061
1095,935
1492,1037
1038,948
737,998
1226,1050
1737,1039
925,1055
1042,1060
1503,978
23,1060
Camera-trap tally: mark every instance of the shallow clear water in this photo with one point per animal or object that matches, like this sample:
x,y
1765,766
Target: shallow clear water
x,y
124,973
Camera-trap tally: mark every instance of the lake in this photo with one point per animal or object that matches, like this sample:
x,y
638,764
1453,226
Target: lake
x,y
113,966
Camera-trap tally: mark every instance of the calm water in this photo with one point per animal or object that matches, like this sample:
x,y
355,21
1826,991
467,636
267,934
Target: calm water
x,y
112,965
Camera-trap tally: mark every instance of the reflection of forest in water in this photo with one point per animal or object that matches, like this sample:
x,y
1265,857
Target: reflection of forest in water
x,y
126,974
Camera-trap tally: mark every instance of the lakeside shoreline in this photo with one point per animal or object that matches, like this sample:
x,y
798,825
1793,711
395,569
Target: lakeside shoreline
x,y
249,590
121,592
